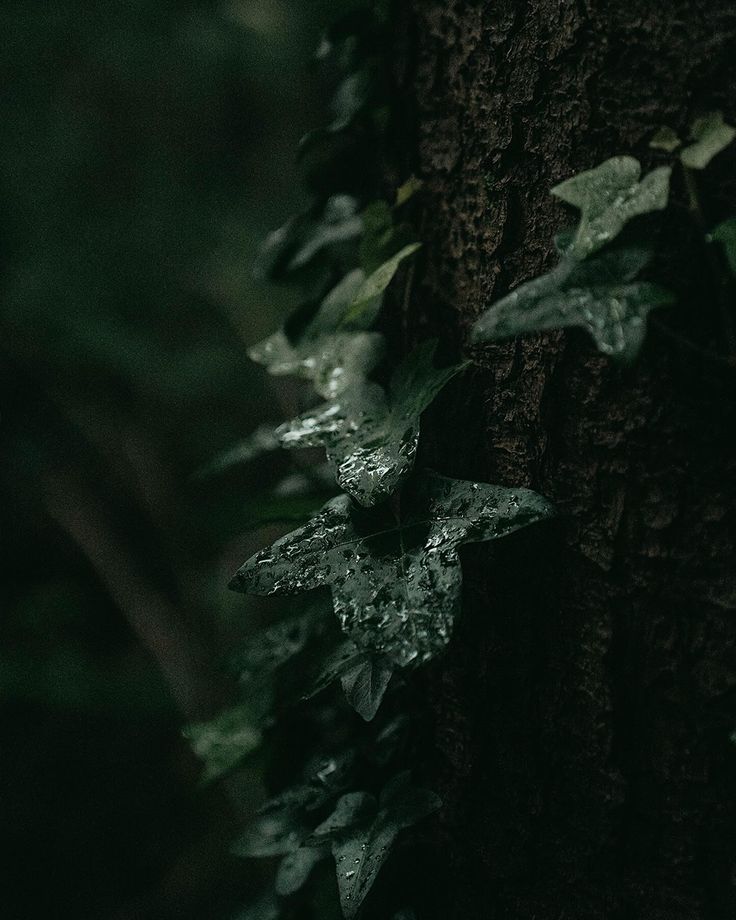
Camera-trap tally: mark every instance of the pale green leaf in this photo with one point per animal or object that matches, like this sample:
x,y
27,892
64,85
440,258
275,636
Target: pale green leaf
x,y
408,190
725,234
665,139
373,287
710,135
608,197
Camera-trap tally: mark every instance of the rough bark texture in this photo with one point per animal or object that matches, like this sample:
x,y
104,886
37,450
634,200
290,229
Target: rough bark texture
x,y
582,718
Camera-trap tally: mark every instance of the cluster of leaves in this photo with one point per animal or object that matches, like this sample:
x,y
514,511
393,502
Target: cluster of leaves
x,y
386,548
594,285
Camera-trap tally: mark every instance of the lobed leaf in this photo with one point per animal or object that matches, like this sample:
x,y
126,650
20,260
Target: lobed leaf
x,y
709,135
608,197
395,580
370,436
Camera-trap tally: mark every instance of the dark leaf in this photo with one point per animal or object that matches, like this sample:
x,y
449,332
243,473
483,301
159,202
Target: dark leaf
x,y
395,581
365,684
225,741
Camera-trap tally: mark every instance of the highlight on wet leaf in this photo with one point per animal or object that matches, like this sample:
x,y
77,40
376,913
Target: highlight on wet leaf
x,y
371,435
709,135
225,741
608,197
395,577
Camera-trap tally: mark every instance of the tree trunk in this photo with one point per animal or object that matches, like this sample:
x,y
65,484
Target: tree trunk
x,y
581,719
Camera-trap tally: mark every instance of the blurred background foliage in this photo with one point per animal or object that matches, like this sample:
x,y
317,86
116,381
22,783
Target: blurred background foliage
x,y
148,146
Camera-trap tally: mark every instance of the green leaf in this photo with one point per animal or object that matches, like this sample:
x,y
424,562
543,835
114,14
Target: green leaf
x,y
408,190
373,287
725,234
365,684
333,363
270,648
665,139
614,315
371,436
351,98
223,742
259,442
710,135
395,580
608,197
361,848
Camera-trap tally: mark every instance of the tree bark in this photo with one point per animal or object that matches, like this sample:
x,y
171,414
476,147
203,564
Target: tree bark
x,y
581,719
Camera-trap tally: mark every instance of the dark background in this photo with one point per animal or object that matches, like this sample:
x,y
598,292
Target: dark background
x,y
147,147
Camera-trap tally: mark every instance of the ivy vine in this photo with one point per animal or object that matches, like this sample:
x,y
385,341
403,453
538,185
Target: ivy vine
x,y
376,568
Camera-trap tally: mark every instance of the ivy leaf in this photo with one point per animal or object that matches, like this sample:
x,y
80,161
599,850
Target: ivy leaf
x,y
395,579
223,742
710,135
333,363
665,139
371,436
361,847
614,315
408,190
365,684
608,197
725,234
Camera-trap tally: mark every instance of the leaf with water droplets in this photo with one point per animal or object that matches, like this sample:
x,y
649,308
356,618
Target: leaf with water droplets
x,y
608,197
395,579
710,135
225,741
371,436
725,234
614,315
361,847
366,683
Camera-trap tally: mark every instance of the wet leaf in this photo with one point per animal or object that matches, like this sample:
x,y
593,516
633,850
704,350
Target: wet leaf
x,y
614,315
395,579
333,362
371,436
224,742
408,190
665,139
608,197
361,847
295,868
725,234
710,135
373,287
365,684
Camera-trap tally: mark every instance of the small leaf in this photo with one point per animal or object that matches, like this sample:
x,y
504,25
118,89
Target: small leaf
x,y
371,437
337,661
665,139
295,868
351,98
725,234
395,581
710,135
608,197
374,286
270,648
351,809
365,684
408,190
223,742
361,850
